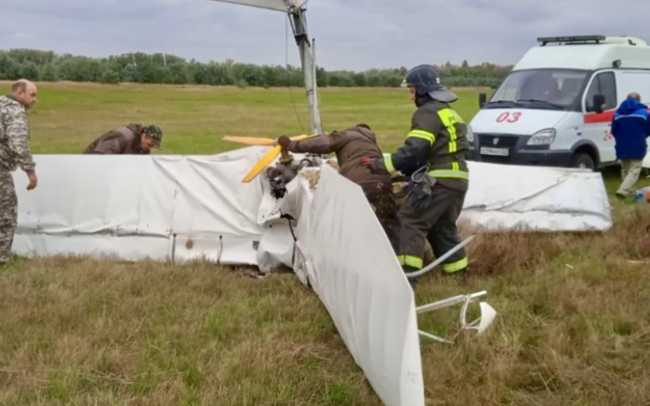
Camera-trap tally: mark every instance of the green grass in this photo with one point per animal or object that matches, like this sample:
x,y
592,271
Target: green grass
x,y
573,325
194,119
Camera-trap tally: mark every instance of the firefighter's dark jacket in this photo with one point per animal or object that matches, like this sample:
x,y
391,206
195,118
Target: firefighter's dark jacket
x,y
437,138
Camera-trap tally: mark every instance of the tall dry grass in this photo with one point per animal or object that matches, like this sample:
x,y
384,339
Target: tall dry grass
x,y
629,239
573,325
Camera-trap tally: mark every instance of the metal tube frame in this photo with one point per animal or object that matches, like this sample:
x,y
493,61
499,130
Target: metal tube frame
x,y
307,58
464,299
452,301
438,261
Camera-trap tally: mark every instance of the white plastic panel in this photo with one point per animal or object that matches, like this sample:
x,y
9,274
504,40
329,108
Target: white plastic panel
x,y
105,198
98,200
528,198
352,268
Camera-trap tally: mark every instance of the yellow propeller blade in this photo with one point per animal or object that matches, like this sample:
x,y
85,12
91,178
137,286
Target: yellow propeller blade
x,y
263,163
250,140
269,157
302,137
260,141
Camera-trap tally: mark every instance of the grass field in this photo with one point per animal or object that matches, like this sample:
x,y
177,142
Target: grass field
x,y
194,119
573,325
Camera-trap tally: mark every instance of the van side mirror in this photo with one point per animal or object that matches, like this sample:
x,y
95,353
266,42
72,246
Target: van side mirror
x,y
599,103
482,99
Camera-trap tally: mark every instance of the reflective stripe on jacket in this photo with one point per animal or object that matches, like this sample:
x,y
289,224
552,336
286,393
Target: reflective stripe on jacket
x,y
437,138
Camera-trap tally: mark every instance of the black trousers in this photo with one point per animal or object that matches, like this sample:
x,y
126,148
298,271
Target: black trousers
x,y
437,224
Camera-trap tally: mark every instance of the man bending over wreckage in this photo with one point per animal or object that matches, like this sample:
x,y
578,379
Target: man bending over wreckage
x,y
128,140
350,146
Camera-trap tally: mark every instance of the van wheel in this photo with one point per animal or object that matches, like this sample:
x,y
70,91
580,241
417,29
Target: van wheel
x,y
583,160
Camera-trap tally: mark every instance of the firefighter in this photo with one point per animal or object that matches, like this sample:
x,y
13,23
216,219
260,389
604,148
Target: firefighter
x,y
433,156
350,145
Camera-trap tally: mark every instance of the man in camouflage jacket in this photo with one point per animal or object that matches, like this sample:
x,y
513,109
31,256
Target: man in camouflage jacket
x,y
130,139
14,153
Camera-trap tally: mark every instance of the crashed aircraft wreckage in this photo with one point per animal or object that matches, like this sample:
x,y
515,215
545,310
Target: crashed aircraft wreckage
x,y
196,207
302,214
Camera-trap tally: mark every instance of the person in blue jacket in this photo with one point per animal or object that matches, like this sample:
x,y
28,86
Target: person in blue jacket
x,y
630,128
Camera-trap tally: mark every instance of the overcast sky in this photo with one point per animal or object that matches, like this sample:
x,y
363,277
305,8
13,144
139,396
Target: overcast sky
x,y
350,34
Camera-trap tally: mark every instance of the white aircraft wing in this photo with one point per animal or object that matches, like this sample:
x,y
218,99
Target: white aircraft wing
x,y
278,5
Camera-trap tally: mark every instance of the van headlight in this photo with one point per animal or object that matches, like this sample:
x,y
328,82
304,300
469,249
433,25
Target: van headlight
x,y
470,134
543,137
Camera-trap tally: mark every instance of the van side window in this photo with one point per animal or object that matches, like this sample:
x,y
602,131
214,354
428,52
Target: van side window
x,y
605,84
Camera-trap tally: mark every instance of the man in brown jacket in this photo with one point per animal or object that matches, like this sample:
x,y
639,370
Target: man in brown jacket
x,y
350,146
131,139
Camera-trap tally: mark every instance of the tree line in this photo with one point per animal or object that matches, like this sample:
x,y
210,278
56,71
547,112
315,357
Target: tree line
x,y
161,68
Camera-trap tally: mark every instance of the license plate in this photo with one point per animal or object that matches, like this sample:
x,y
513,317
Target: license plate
x,y
494,151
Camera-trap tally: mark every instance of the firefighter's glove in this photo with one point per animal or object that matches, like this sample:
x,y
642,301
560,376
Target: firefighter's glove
x,y
421,195
284,141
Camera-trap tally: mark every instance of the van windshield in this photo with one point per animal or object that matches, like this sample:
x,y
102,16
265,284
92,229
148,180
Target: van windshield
x,y
556,89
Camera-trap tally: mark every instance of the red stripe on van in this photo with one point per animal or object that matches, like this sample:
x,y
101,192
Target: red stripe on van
x,y
605,117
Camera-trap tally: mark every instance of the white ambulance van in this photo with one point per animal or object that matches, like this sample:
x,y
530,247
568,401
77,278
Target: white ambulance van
x,y
556,106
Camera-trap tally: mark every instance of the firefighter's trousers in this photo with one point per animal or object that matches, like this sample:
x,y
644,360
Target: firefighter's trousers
x,y
437,223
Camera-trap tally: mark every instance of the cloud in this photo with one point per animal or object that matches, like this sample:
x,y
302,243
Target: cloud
x,y
357,35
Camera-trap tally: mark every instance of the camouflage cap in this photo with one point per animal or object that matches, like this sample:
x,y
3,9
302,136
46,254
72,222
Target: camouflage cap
x,y
155,133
